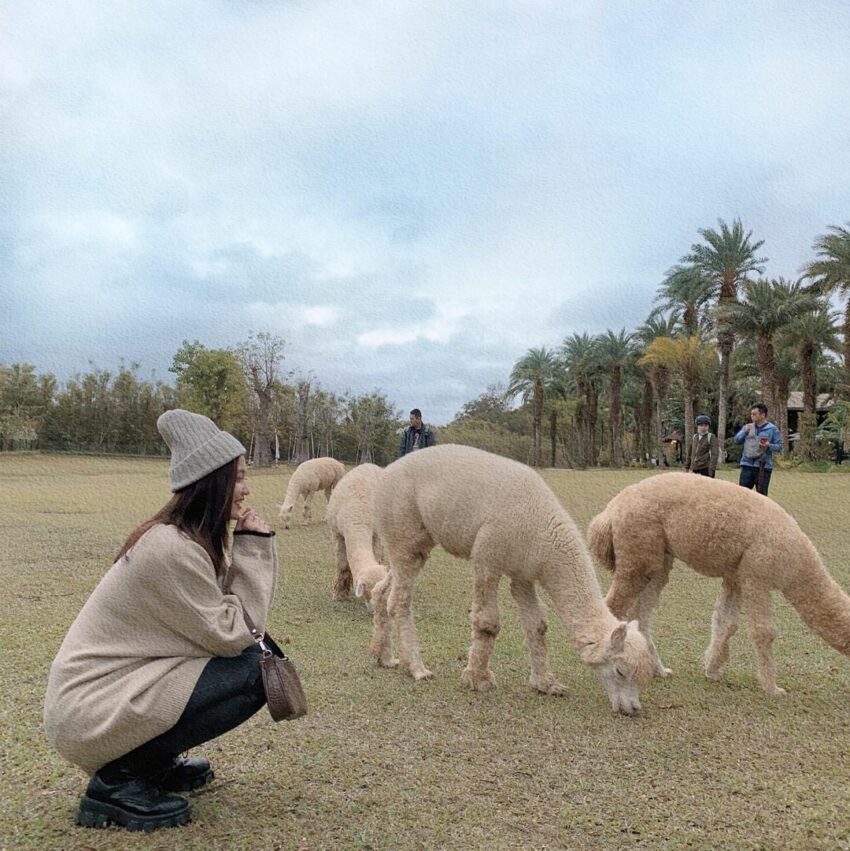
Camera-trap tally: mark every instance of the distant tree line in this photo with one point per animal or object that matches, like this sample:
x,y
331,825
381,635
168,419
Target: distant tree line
x,y
244,390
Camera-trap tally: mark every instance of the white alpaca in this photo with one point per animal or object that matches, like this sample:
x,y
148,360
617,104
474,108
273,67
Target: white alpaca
x,y
502,516
357,547
310,476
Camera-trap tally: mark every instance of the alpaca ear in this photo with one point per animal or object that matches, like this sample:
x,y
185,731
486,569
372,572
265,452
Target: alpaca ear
x,y
358,588
618,637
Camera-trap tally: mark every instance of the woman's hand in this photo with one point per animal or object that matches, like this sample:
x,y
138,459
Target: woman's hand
x,y
250,521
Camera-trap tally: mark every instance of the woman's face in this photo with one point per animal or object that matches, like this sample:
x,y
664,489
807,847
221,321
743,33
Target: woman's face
x,y
240,491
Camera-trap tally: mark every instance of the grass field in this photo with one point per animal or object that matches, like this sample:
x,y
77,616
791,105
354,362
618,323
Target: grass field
x,y
383,763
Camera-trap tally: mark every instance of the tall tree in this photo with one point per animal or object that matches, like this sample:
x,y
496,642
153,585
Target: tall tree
x,y
579,354
813,333
261,356
616,352
658,373
725,258
212,382
688,356
685,292
532,376
831,274
767,307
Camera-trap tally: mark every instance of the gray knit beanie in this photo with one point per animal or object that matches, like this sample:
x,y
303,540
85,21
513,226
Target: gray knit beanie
x,y
198,446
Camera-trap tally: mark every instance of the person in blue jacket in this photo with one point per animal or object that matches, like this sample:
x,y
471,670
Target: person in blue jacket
x,y
761,439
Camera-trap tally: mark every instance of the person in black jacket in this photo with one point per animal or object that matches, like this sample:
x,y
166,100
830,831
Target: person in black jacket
x,y
417,435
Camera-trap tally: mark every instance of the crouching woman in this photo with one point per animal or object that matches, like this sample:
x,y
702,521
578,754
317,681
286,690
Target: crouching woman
x,y
159,659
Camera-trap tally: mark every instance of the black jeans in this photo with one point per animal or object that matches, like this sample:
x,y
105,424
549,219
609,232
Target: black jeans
x,y
228,692
749,479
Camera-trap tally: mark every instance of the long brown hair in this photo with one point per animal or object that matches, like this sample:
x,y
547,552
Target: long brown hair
x,y
200,510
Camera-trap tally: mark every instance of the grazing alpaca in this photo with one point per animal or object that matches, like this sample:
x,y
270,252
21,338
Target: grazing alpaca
x,y
357,547
503,517
723,530
310,476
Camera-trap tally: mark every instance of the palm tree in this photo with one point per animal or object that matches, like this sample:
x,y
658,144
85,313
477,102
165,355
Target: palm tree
x,y
726,258
685,292
615,353
688,356
532,376
768,306
581,364
811,334
657,373
831,273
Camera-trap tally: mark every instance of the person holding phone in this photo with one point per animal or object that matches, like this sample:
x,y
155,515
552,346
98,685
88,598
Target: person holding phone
x,y
761,439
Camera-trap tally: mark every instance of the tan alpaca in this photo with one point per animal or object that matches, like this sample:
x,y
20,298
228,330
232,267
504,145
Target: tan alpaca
x,y
503,517
718,529
310,476
358,550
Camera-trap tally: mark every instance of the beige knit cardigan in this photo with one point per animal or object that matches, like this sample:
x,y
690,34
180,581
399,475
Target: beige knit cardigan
x,y
132,657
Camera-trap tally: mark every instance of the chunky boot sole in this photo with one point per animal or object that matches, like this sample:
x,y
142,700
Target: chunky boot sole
x,y
189,785
98,814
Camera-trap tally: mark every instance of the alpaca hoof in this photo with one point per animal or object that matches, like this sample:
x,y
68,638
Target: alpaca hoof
x,y
422,674
716,676
477,680
775,691
340,598
661,671
548,686
387,662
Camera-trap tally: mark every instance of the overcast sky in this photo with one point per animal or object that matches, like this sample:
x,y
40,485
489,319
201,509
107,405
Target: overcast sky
x,y
411,194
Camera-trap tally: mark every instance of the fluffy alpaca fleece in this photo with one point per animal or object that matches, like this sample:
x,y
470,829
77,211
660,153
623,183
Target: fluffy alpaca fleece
x,y
358,550
719,529
310,476
503,517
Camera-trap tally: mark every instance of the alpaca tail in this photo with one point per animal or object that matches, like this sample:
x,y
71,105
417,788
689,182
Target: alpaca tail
x,y
823,606
600,540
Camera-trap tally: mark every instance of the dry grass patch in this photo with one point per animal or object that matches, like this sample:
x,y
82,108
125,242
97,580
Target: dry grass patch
x,y
383,763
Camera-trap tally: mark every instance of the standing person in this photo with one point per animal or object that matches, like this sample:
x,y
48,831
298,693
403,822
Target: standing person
x,y
417,435
761,439
159,659
704,449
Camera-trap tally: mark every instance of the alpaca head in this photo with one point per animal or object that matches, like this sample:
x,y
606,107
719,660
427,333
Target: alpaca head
x,y
285,512
366,581
623,664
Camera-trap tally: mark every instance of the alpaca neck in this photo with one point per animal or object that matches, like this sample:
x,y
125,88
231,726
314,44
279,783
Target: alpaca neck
x,y
568,577
820,601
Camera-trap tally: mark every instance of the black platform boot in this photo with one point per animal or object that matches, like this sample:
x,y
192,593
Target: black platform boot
x,y
120,796
184,774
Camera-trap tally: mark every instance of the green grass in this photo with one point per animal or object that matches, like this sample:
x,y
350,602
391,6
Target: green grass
x,y
383,763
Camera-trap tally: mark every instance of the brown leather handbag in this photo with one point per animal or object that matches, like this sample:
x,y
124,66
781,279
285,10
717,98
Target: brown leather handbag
x,y
284,694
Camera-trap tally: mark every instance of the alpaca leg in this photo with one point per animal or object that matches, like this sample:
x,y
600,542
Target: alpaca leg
x,y
485,627
308,508
400,608
626,588
724,624
640,556
328,492
642,611
762,631
532,616
343,581
380,645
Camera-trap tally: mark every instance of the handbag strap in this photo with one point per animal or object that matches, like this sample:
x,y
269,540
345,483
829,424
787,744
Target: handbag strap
x,y
258,636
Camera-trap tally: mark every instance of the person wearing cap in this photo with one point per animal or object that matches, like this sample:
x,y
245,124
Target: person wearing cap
x,y
160,659
705,450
